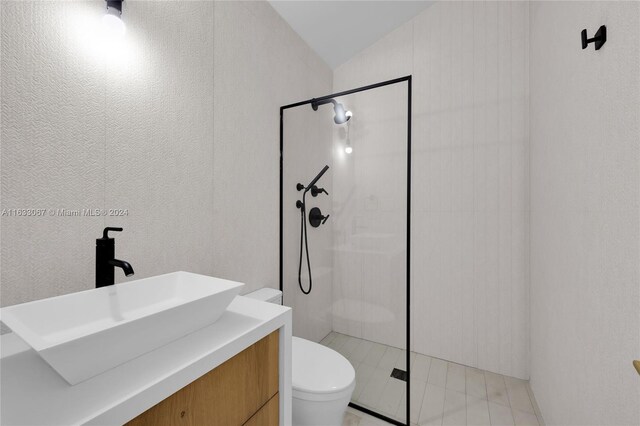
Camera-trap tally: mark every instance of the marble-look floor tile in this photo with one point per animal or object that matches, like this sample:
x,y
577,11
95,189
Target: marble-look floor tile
x,y
455,408
477,412
372,392
401,362
361,351
475,383
328,338
351,419
442,393
349,346
412,358
456,377
375,354
500,415
391,396
358,418
518,395
420,370
536,408
401,413
338,341
363,374
438,372
388,360
417,395
496,388
432,405
523,418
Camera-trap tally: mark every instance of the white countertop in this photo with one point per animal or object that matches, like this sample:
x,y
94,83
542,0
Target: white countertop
x,y
32,393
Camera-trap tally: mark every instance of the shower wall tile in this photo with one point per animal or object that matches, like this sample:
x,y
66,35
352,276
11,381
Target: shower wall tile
x,y
470,150
260,65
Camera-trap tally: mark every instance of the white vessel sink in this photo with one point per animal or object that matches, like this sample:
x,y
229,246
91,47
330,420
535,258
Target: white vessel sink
x,y
84,334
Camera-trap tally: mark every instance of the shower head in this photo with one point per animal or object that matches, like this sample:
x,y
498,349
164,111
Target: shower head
x,y
341,116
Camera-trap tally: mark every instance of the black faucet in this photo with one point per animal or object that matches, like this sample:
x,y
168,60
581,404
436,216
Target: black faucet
x,y
106,262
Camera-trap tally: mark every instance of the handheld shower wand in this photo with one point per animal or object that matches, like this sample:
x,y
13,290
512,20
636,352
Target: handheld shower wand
x,y
304,241
316,179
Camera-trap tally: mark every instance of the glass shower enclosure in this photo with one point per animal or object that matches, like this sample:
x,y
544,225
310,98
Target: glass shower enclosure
x,y
344,239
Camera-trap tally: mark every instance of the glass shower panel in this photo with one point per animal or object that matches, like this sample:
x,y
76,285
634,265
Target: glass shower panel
x,y
358,304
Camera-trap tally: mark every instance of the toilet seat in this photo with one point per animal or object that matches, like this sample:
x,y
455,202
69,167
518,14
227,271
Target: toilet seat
x,y
320,373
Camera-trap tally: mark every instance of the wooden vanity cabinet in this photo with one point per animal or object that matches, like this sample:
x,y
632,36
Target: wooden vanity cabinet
x,y
242,391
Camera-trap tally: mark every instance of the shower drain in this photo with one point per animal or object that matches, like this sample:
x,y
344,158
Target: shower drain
x,y
399,374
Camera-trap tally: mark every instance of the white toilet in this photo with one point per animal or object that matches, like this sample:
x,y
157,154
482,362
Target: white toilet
x,y
322,379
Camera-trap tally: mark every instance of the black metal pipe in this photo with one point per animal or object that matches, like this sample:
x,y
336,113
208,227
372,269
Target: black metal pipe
x,y
347,92
315,104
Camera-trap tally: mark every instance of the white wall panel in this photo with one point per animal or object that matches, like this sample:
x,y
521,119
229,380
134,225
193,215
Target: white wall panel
x,y
469,62
585,213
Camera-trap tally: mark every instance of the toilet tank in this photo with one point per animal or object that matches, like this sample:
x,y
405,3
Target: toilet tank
x,y
266,294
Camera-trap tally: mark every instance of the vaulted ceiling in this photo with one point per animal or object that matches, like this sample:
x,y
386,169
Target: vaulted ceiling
x,y
338,30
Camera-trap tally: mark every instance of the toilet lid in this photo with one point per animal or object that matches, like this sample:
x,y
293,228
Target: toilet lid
x,y
318,369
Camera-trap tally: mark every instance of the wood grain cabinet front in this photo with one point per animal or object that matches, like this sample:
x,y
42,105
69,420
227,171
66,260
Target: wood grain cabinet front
x,y
243,390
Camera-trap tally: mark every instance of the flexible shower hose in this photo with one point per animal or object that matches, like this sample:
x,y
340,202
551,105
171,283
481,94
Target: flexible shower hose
x,y
303,237
303,229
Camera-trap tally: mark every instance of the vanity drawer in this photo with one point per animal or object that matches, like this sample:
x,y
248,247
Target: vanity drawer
x,y
268,415
228,395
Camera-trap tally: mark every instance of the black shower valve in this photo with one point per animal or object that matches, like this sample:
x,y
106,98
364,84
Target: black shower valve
x,y
316,218
315,191
299,187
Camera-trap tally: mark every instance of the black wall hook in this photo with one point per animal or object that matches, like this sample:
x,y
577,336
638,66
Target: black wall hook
x,y
599,39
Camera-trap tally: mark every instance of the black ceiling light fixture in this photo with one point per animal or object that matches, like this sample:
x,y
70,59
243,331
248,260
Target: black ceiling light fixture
x,y
341,116
113,19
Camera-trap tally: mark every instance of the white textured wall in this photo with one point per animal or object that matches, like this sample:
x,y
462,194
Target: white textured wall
x,y
261,64
132,127
469,242
88,124
585,213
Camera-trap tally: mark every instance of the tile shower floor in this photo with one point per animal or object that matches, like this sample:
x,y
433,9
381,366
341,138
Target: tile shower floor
x,y
442,392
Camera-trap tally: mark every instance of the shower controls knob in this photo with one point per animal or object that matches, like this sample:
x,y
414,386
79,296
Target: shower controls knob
x,y
299,187
316,218
315,191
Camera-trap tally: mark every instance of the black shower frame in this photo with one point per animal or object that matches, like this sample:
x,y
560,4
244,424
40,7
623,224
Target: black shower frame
x,y
404,79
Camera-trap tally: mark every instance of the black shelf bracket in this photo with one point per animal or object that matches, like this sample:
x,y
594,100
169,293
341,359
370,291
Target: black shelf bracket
x,y
599,39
